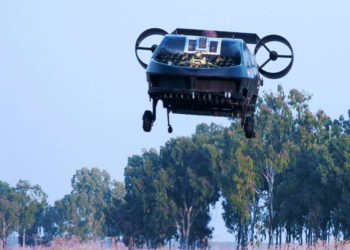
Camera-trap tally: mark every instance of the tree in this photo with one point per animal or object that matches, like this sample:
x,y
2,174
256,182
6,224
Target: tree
x,y
50,221
31,201
114,211
239,183
248,168
274,128
308,182
148,212
200,232
339,148
264,170
193,186
9,209
84,211
68,216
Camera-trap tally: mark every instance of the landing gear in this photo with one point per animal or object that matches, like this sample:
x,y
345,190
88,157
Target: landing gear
x,y
170,128
149,118
147,121
249,127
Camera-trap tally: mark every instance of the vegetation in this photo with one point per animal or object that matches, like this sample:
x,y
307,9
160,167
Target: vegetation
x,y
288,185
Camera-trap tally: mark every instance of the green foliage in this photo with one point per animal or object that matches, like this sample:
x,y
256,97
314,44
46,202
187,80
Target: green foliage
x,y
149,214
31,202
168,193
49,222
193,186
293,177
83,212
9,209
21,208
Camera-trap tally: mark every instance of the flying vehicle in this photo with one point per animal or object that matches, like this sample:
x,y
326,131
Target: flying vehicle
x,y
201,72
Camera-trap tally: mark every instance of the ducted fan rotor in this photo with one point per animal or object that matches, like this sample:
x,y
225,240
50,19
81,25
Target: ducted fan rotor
x,y
143,36
274,55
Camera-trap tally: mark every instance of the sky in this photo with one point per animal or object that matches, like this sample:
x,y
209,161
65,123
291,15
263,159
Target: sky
x,y
72,93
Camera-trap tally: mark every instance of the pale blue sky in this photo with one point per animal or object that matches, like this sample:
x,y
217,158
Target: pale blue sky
x,y
72,93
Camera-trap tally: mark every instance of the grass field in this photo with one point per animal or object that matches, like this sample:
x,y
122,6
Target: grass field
x,y
214,246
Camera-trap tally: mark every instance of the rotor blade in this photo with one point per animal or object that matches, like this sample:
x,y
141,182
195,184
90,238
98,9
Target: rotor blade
x,y
266,62
285,56
144,48
264,45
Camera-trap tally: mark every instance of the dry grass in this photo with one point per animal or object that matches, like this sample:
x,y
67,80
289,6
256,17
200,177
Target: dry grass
x,y
320,245
82,246
90,246
343,245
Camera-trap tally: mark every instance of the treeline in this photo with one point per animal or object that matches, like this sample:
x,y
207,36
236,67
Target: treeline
x,y
289,184
85,213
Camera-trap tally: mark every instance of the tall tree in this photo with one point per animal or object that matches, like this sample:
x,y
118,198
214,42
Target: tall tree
x,y
339,148
249,167
114,209
193,185
201,232
274,127
149,213
69,216
9,209
31,201
84,210
50,221
239,183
